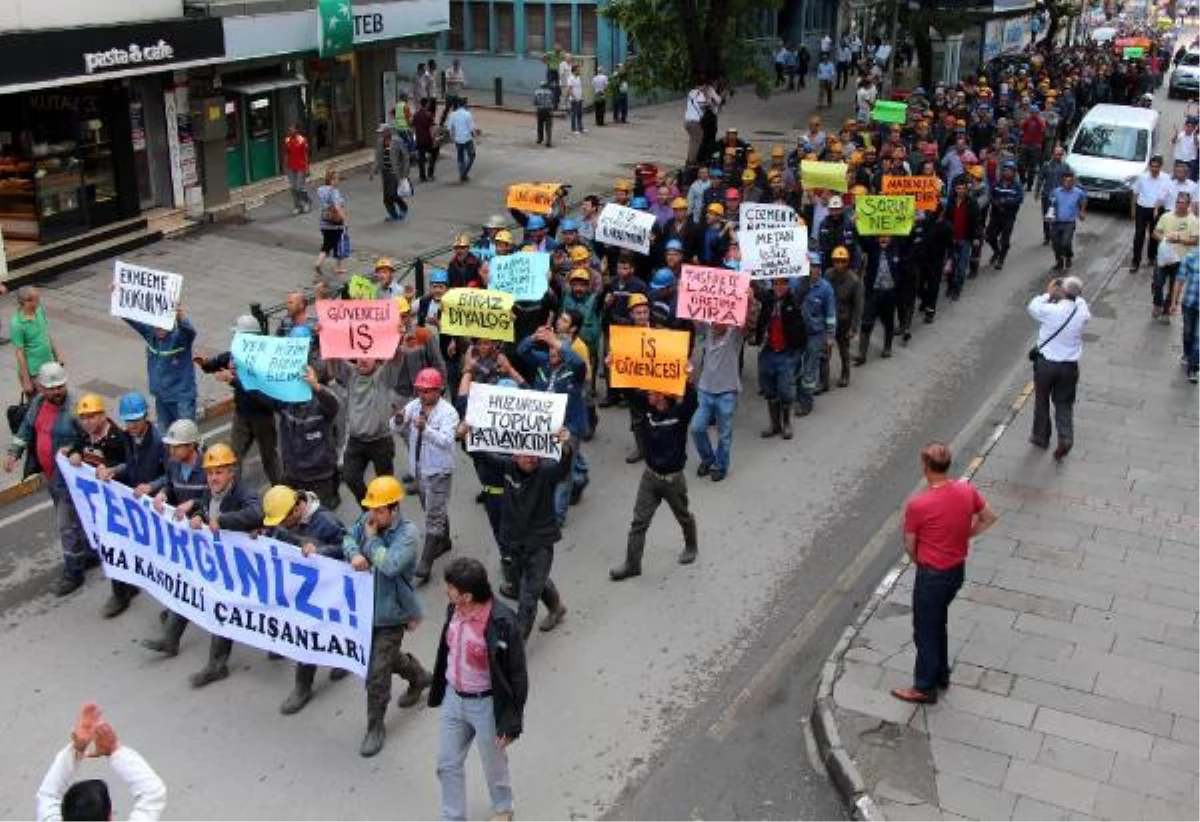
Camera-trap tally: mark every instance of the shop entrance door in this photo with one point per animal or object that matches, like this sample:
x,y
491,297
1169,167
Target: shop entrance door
x,y
235,155
261,137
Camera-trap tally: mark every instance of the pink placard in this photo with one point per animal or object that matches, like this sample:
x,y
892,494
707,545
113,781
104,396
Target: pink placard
x,y
353,329
713,295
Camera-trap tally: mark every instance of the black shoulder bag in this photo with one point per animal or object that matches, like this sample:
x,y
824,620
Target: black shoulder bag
x,y
1035,353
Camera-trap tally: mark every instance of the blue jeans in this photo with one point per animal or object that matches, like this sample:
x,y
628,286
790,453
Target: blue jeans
x,y
464,721
577,116
562,491
75,546
808,370
170,410
962,261
721,406
933,591
1191,346
777,373
466,158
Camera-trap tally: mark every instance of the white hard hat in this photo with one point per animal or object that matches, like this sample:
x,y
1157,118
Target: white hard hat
x,y
52,375
182,432
835,201
246,324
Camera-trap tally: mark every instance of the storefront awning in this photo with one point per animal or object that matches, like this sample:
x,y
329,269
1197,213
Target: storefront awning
x,y
262,86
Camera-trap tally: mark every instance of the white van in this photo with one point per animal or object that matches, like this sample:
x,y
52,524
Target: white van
x,y
1111,147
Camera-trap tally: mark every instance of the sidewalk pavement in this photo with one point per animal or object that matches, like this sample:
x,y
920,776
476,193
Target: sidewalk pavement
x,y
1074,639
229,265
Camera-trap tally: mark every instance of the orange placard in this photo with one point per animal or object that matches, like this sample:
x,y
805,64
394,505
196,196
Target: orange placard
x,y
533,198
652,359
925,188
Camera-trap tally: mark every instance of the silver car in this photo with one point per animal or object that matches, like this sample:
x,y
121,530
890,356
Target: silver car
x,y
1185,77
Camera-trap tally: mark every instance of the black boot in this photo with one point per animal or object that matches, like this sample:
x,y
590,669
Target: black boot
x,y
412,695
509,588
428,555
302,691
864,342
844,378
122,594
773,429
373,740
631,567
168,643
556,612
688,555
887,345
785,420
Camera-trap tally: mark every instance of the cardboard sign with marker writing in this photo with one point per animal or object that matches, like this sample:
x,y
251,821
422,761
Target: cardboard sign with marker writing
x,y
652,359
534,198
273,365
145,295
884,216
474,312
514,420
925,189
351,329
625,228
831,176
775,251
525,275
713,295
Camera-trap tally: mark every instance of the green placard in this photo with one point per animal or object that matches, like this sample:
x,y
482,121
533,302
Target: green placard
x,y
1134,52
887,111
335,27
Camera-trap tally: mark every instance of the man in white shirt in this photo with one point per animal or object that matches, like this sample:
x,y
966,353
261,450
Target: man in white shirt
x,y
456,86
844,58
865,98
600,93
826,44
693,110
1187,145
1181,184
574,89
461,126
564,71
1150,192
1062,314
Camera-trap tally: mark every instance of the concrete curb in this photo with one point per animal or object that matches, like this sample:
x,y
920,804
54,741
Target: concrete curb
x,y
35,482
842,769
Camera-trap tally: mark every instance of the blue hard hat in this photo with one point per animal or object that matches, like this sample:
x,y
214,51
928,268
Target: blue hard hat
x,y
569,224
674,245
733,265
297,331
640,203
814,257
919,91
535,222
438,276
1008,164
506,382
663,278
716,172
1034,109
132,406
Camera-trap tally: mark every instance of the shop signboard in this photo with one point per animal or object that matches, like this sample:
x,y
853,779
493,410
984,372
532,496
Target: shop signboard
x,y
335,27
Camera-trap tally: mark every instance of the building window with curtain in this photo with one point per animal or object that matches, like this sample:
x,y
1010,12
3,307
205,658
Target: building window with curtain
x,y
481,32
505,28
588,23
562,26
535,28
457,25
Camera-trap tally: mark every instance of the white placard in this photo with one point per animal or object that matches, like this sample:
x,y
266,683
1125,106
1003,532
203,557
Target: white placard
x,y
145,295
514,420
780,251
625,228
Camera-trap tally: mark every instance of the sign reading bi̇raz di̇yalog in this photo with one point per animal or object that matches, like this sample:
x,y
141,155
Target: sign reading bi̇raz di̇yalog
x,y
260,592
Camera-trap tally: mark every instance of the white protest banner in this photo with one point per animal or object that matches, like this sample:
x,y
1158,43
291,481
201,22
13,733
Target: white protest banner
x,y
514,420
753,216
625,228
780,251
260,592
525,275
145,295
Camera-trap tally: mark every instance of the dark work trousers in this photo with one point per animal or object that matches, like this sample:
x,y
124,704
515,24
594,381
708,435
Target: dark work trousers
x,y
431,104
621,108
387,659
930,274
999,232
393,203
427,161
933,591
600,104
327,490
545,125
1163,284
842,337
493,506
251,428
531,567
906,295
652,490
637,424
219,649
885,312
1062,240
380,454
1144,220
1054,381
843,74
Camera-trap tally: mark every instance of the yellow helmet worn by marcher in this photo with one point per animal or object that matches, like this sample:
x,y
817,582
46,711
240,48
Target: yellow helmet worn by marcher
x,y
278,502
90,404
219,455
383,491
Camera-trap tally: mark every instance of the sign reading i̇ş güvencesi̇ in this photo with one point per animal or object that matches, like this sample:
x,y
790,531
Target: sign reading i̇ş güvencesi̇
x,y
652,359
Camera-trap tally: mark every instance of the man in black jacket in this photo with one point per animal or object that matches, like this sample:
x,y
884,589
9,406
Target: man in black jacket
x,y
666,422
481,683
782,335
529,527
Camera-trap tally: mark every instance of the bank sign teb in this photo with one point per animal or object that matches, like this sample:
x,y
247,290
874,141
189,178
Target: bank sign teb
x,y
335,27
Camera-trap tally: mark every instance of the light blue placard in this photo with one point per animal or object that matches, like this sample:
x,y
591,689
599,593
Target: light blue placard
x,y
273,365
525,274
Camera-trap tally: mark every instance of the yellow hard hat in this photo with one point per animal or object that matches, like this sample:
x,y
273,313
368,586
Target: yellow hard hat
x,y
623,185
679,202
219,455
716,208
580,275
90,404
748,176
462,241
635,300
278,502
385,262
503,236
777,151
402,306
840,253
383,491
580,254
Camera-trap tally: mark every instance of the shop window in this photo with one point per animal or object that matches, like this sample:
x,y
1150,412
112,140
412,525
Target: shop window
x,y
457,25
535,28
505,33
588,22
562,26
481,37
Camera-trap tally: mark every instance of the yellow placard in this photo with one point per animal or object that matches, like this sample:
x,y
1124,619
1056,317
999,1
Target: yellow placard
x,y
653,359
926,189
474,312
533,198
831,176
877,215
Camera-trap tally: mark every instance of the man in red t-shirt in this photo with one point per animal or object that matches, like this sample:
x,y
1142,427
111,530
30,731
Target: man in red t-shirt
x,y
295,160
939,523
1033,136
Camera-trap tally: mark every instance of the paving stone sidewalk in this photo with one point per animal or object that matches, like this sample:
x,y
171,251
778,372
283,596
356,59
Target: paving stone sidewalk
x,y
1074,639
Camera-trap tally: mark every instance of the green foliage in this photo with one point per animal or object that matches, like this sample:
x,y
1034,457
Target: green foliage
x,y
676,41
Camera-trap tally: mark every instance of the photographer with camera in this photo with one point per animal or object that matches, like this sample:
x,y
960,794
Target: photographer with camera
x,y
1062,314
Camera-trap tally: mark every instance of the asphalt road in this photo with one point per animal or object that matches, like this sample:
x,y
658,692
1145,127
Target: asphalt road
x,y
681,694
